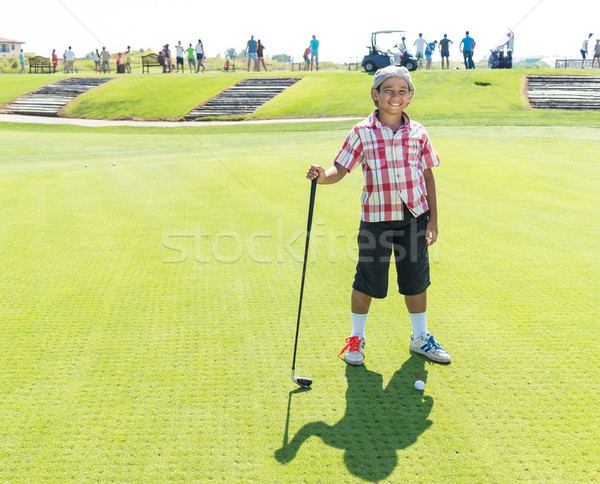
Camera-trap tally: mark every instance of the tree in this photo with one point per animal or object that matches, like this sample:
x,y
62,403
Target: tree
x,y
231,53
282,58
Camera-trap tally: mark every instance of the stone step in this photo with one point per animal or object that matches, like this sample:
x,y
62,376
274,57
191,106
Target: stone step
x,y
581,93
243,98
49,99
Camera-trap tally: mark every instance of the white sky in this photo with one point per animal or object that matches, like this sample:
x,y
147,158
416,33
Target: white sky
x,y
543,28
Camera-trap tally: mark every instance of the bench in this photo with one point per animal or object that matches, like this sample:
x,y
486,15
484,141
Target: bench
x,y
151,60
40,64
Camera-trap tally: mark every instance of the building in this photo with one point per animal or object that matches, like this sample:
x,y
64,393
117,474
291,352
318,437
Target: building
x,y
10,48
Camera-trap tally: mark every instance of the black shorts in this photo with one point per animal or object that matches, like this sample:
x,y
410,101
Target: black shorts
x,y
179,60
406,240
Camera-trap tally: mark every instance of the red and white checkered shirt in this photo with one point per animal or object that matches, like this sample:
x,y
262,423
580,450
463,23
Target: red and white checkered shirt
x,y
393,165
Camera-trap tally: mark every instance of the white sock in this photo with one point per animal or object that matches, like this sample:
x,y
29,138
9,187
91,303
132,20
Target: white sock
x,y
419,324
359,321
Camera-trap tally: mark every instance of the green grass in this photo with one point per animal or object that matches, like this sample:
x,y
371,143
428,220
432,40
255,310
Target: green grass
x,y
12,86
149,97
149,310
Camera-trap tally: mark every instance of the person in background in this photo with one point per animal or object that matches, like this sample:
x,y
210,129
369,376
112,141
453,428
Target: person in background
x,y
467,46
199,54
179,56
22,62
128,60
445,50
251,52
306,57
55,60
96,57
167,57
70,60
429,53
314,52
104,58
584,50
259,51
421,44
596,53
191,54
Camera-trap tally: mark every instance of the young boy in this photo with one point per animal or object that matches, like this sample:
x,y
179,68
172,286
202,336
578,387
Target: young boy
x,y
399,209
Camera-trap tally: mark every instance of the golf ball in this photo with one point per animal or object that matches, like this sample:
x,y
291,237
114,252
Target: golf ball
x,y
86,165
420,385
114,164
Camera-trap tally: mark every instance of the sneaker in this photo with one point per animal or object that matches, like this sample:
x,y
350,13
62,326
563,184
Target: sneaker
x,y
354,350
428,346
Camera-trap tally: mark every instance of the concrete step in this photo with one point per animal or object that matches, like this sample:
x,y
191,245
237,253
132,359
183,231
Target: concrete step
x,y
581,93
243,98
50,99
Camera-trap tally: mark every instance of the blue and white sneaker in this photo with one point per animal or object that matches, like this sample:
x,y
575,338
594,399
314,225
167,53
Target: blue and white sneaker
x,y
428,346
354,351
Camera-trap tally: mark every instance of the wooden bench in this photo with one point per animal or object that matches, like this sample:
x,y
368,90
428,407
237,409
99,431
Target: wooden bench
x,y
151,60
40,64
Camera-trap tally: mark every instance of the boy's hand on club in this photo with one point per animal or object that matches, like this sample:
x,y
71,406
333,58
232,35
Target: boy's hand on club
x,y
431,233
316,171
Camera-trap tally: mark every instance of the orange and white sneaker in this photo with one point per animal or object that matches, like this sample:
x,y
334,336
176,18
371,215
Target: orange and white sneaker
x,y
354,351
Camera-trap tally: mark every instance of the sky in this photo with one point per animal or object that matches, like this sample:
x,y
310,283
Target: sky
x,y
543,28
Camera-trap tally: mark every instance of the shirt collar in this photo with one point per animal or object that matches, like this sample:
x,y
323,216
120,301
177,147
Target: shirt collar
x,y
375,123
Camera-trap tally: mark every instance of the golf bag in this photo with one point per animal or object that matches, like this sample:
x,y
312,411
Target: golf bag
x,y
498,60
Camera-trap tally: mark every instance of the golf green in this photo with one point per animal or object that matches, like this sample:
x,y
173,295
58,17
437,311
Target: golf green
x,y
149,310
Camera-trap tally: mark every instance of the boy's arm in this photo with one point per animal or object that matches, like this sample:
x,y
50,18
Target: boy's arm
x,y
432,226
333,174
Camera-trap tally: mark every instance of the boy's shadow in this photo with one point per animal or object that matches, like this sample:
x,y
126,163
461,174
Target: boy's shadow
x,y
378,421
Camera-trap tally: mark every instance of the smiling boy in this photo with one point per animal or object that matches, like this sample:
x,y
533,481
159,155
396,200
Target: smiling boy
x,y
399,210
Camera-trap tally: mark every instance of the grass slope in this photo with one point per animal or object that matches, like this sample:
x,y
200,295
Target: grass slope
x,y
13,86
149,97
149,311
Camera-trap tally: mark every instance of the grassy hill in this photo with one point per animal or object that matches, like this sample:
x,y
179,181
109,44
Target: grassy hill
x,y
478,97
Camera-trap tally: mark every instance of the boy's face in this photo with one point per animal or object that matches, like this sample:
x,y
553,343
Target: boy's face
x,y
393,96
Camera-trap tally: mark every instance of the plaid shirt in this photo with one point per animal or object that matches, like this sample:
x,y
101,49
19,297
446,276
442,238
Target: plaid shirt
x,y
393,166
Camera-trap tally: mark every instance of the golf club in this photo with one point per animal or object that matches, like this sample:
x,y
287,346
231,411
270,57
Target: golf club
x,y
304,382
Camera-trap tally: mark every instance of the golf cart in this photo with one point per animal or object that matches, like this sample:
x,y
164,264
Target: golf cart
x,y
390,51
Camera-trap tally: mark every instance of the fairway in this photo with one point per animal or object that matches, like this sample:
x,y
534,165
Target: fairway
x,y
148,311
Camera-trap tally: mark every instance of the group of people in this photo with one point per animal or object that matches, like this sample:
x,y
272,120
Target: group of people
x,y
311,55
255,52
584,51
102,61
425,50
195,58
68,60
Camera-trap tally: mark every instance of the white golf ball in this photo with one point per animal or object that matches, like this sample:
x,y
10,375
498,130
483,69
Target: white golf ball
x,y
420,385
114,164
86,165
